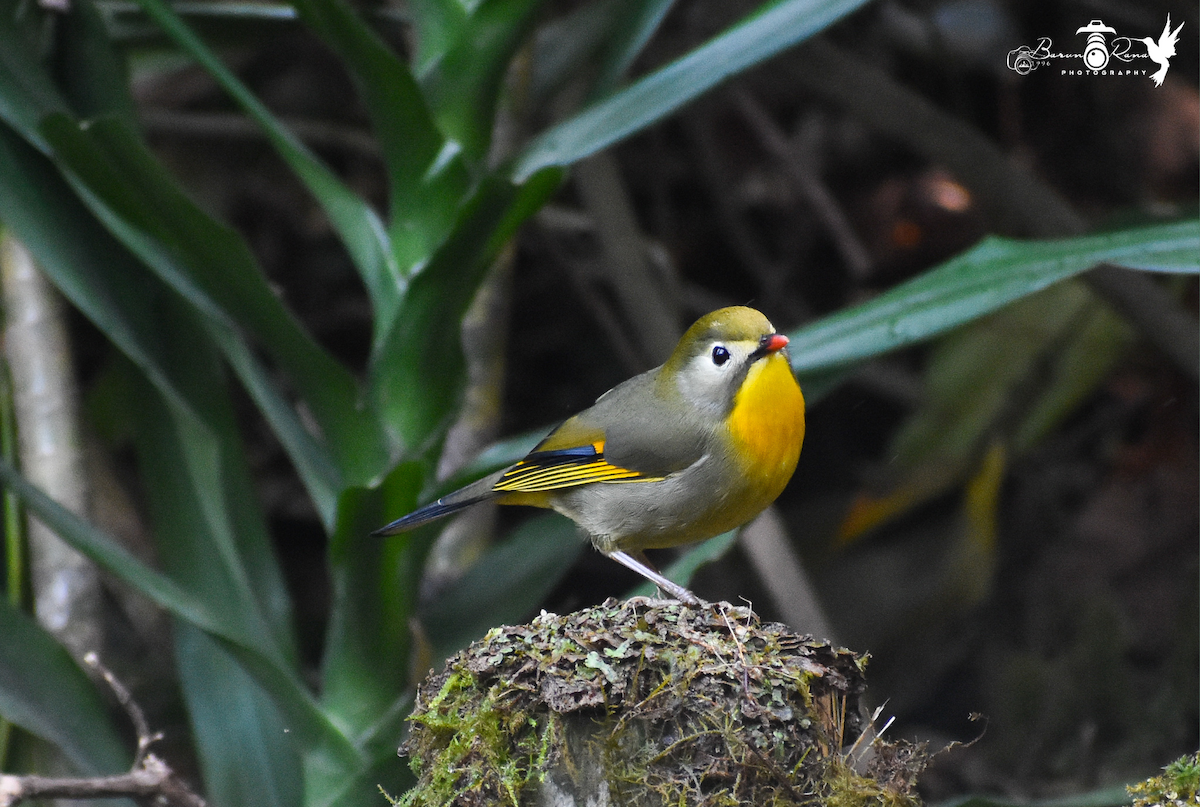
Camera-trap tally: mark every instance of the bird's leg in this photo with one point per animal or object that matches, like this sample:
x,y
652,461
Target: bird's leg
x,y
642,567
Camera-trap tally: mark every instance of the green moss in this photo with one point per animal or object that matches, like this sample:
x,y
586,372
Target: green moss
x,y
483,749
887,782
651,702
1178,785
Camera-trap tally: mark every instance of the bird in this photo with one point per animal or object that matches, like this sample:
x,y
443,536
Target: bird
x,y
693,448
1161,52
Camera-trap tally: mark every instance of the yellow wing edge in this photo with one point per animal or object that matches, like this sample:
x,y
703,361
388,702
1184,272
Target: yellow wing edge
x,y
554,470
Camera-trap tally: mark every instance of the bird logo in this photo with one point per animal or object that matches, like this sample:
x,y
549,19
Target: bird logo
x,y
1101,48
1160,52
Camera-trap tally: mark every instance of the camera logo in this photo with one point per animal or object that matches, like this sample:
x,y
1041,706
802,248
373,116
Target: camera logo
x,y
1024,60
1095,52
1100,47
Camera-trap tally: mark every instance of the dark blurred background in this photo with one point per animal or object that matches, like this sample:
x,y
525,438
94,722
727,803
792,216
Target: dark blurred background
x,y
1050,587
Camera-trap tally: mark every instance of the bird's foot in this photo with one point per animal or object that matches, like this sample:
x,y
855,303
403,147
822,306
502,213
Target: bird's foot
x,y
665,586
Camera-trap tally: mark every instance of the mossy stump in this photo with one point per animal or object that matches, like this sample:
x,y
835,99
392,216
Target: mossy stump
x,y
642,702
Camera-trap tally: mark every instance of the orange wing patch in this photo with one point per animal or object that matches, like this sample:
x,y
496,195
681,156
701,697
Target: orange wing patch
x,y
565,468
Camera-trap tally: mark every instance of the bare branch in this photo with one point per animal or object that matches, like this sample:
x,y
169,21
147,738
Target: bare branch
x,y
154,779
150,777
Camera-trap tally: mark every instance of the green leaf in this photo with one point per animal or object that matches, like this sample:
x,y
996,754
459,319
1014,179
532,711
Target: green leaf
x,y
209,531
1097,342
360,228
464,86
1103,797
104,281
774,28
386,772
110,287
93,74
437,25
981,280
310,459
246,753
112,556
26,91
43,691
1009,377
313,728
974,374
98,275
427,178
379,739
198,405
416,374
375,584
210,266
568,47
637,20
505,585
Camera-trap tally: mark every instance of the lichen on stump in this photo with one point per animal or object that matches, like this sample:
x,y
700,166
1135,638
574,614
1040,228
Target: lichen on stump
x,y
640,703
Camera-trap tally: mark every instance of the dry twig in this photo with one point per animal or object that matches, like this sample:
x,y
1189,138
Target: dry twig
x,y
150,778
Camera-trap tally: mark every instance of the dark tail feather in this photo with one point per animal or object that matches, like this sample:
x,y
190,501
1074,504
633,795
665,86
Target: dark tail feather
x,y
448,504
419,518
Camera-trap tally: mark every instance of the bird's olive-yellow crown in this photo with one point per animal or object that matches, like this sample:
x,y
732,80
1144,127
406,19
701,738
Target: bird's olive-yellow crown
x,y
712,359
734,324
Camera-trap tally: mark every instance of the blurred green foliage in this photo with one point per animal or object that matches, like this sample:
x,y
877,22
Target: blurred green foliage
x,y
182,299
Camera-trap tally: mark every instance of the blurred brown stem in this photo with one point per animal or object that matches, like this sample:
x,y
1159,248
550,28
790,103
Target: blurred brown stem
x,y
66,586
649,309
806,181
1018,200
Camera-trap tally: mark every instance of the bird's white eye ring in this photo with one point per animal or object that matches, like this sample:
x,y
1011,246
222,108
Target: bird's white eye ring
x,y
720,355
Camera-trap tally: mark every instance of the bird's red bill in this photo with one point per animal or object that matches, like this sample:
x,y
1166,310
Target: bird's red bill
x,y
774,342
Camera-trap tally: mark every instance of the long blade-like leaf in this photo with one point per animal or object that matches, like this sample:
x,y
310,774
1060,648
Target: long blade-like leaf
x,y
437,25
113,557
312,726
654,97
211,267
96,273
321,479
210,532
637,22
375,583
427,176
26,91
359,226
104,281
383,773
464,86
505,585
416,373
979,281
92,73
245,751
44,692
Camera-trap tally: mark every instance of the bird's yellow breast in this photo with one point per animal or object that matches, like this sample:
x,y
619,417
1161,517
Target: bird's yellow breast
x,y
767,425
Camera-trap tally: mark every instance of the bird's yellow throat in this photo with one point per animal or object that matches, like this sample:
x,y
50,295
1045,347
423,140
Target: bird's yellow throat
x,y
767,421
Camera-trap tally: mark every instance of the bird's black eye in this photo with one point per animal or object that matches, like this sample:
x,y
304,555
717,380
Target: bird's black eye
x,y
720,355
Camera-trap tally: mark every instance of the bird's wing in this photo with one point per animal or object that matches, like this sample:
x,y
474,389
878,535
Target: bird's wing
x,y
1166,42
554,469
624,437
